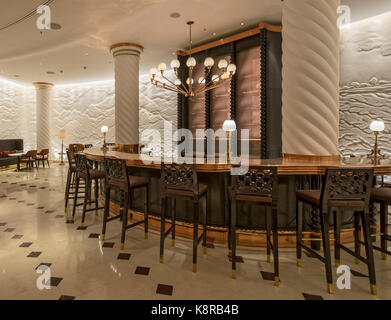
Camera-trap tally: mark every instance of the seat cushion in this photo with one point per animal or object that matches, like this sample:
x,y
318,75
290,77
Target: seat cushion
x,y
202,189
250,197
312,196
97,174
138,181
381,194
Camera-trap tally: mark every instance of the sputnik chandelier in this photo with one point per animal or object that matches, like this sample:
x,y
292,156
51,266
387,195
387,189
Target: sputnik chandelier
x,y
188,89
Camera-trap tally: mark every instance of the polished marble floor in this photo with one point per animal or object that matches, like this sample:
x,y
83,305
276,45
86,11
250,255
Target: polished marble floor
x,y
34,232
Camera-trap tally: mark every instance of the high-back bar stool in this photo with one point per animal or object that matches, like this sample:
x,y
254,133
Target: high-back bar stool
x,y
259,185
70,178
343,189
84,171
181,181
383,197
117,177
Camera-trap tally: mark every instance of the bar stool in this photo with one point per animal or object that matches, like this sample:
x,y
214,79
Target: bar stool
x,y
117,177
84,171
259,186
383,197
181,181
342,189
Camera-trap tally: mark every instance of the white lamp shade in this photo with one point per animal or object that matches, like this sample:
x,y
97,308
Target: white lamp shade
x,y
215,78
209,62
175,64
229,125
177,82
104,129
62,134
223,63
201,80
188,80
377,126
153,71
191,62
162,66
231,68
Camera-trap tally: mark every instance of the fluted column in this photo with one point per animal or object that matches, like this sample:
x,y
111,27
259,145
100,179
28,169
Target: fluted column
x,y
126,56
44,99
310,86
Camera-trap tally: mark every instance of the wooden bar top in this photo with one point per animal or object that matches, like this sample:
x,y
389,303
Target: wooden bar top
x,y
285,167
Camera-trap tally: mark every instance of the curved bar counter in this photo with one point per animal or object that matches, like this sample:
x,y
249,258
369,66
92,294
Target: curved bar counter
x,y
293,175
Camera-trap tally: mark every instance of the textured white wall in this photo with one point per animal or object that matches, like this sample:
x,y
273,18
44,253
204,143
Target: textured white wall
x,y
365,92
17,113
81,109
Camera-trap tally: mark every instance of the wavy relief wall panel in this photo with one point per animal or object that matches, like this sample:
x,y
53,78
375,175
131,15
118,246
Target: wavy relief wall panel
x,y
365,85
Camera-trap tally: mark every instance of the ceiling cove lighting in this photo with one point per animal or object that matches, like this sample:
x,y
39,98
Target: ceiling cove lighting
x,y
188,89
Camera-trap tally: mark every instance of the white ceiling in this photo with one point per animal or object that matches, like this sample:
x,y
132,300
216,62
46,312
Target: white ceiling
x,y
90,27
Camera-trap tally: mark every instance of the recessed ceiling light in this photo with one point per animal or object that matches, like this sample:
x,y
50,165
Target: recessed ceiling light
x,y
242,23
214,33
86,53
55,26
175,15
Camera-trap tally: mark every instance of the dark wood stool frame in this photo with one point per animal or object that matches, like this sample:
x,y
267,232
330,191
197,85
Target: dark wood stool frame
x,y
83,171
181,181
43,156
118,177
383,197
71,180
341,189
258,185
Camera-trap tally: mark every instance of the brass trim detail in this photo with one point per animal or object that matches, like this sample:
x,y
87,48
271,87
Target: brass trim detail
x,y
303,157
126,44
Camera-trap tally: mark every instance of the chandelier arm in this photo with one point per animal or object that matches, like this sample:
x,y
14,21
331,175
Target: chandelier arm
x,y
169,81
165,85
160,85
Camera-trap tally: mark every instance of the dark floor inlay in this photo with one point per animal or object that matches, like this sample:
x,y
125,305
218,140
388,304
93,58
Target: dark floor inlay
x,y
43,264
308,296
81,228
3,196
42,188
267,275
17,236
34,254
70,222
2,224
108,245
13,183
142,270
32,186
358,274
4,182
9,229
238,259
210,245
30,204
124,256
26,244
60,216
54,281
40,207
164,289
64,297
12,199
49,211
21,201
94,235
23,184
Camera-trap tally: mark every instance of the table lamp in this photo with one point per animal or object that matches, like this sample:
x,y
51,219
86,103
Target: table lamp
x,y
104,130
62,134
229,126
375,155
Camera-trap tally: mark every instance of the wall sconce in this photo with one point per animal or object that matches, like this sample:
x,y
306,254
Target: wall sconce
x,y
104,130
375,155
229,126
62,134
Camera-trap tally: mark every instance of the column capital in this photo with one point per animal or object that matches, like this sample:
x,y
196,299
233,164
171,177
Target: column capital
x,y
43,85
126,48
